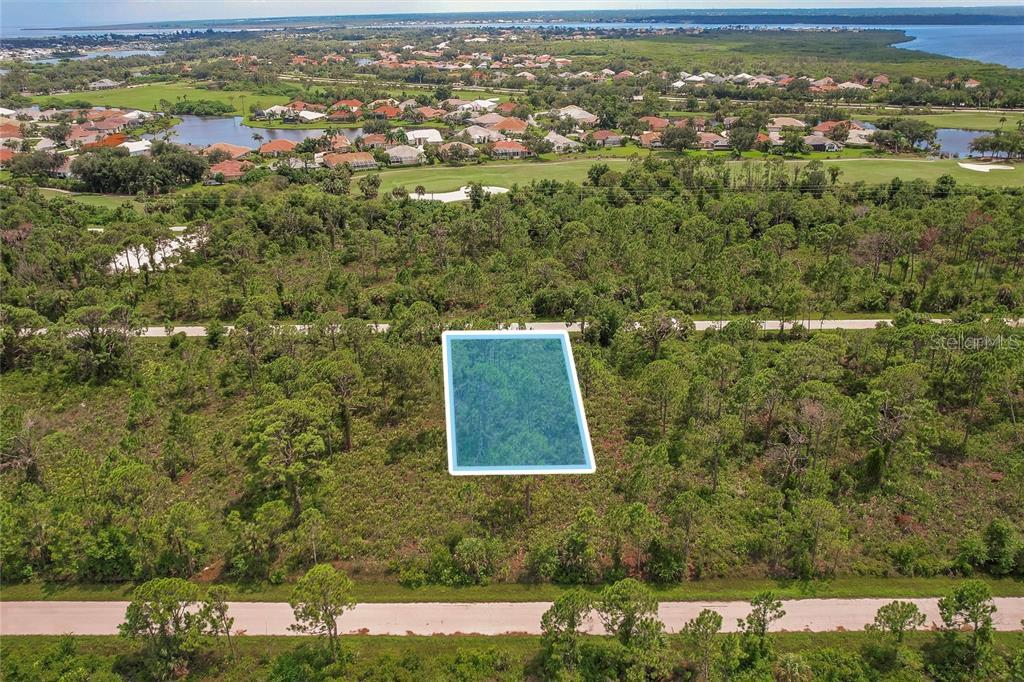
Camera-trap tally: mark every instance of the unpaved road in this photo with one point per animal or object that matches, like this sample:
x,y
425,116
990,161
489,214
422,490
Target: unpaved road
x,y
700,325
264,618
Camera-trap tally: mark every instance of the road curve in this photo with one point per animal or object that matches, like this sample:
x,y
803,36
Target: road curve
x,y
267,618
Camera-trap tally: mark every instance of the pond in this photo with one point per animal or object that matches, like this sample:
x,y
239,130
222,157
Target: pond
x,y
203,131
956,141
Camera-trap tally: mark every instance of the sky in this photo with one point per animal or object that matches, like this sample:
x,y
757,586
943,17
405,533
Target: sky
x,y
53,13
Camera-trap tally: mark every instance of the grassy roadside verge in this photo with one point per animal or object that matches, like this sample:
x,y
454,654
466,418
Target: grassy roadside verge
x,y
739,589
435,655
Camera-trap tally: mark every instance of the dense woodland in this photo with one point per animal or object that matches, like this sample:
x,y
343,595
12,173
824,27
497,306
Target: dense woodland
x,y
251,455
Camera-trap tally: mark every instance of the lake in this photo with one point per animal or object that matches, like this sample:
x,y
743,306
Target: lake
x,y
203,131
957,141
117,54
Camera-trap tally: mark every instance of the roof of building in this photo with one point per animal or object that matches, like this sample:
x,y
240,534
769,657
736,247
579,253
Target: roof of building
x,y
277,146
232,150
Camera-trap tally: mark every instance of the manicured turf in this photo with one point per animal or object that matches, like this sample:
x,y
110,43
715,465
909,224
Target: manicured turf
x,y
741,589
102,200
875,171
969,120
870,170
147,97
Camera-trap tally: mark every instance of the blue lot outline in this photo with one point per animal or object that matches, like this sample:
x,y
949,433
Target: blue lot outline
x,y
588,466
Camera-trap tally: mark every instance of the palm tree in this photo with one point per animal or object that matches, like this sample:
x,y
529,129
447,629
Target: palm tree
x,y
420,190
257,137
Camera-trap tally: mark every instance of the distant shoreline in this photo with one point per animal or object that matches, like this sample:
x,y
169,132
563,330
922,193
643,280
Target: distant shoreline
x,y
848,16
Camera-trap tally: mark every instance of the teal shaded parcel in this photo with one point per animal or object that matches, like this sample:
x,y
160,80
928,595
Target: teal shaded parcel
x,y
513,404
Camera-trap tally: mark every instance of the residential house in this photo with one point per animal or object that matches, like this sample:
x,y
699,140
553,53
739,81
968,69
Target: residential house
x,y
506,108
429,112
340,143
650,139
560,143
712,141
970,83
11,131
606,138
307,116
277,147
356,161
234,151
851,85
487,119
374,141
510,125
6,154
510,149
103,84
404,155
654,122
137,147
820,143
350,104
447,150
230,169
698,123
579,115
424,136
387,111
780,123
481,135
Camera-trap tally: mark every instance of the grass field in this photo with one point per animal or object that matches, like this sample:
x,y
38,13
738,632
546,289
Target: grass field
x,y
147,97
706,590
102,200
870,170
433,657
968,120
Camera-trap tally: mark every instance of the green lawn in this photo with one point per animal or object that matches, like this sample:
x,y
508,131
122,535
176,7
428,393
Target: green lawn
x,y
874,171
741,589
147,97
506,174
102,200
969,120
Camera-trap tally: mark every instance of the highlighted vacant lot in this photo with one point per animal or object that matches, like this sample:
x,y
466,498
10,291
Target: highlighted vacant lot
x,y
513,404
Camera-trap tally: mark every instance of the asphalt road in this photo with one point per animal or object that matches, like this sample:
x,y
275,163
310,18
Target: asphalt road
x,y
265,618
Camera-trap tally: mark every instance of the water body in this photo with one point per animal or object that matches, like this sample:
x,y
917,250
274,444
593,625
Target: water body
x,y
993,44
990,43
956,141
203,131
117,54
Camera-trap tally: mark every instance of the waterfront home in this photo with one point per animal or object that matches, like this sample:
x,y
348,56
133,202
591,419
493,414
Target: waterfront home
x,y
277,147
234,151
374,141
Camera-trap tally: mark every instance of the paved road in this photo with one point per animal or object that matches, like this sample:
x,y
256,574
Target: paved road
x,y
701,325
264,618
